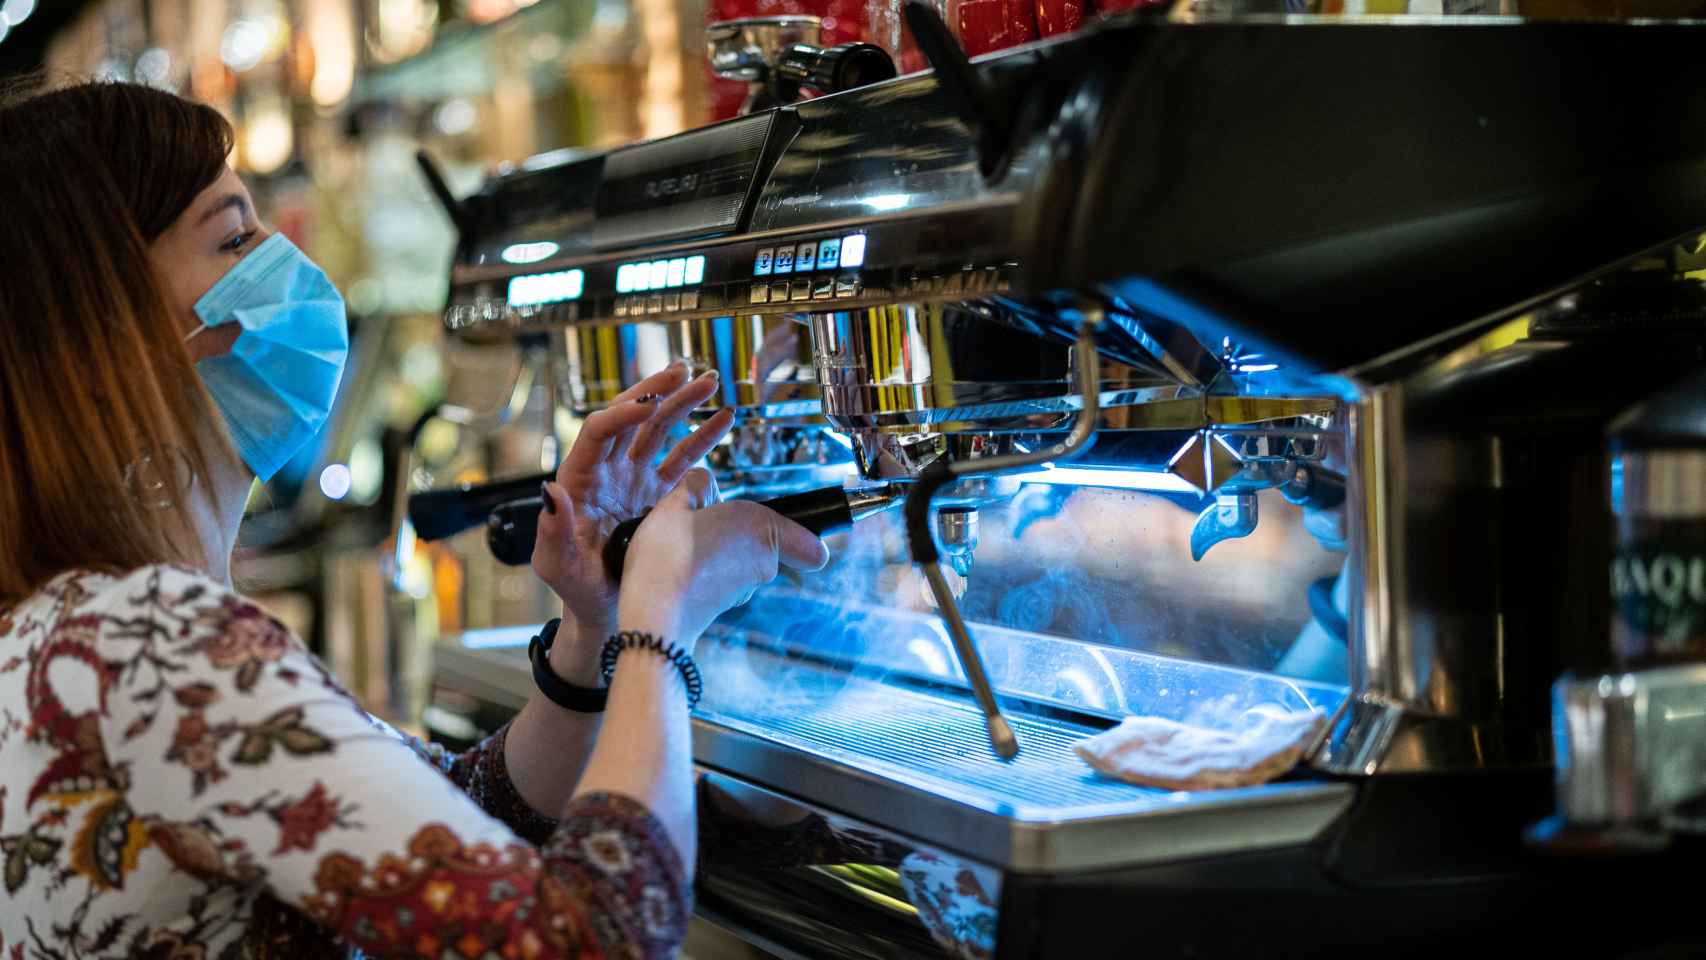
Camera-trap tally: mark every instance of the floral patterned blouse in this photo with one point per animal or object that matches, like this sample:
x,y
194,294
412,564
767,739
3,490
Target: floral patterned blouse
x,y
180,778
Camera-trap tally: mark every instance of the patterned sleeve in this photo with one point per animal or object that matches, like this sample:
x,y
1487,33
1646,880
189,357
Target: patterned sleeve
x,y
480,772
248,765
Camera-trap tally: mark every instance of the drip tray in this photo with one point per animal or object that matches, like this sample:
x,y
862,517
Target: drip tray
x,y
941,745
920,763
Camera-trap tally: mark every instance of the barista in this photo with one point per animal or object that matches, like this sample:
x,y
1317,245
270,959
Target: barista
x,y
179,776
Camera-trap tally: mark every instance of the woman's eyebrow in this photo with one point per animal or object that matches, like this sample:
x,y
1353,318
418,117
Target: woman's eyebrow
x,y
225,203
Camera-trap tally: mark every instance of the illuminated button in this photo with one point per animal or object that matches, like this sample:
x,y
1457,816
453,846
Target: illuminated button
x,y
847,285
689,299
542,288
677,271
823,288
761,263
654,303
657,275
785,259
760,292
671,302
695,270
622,306
779,292
806,258
624,278
802,290
853,250
829,253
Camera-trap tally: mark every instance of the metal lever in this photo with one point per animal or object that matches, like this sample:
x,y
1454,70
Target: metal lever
x,y
436,183
977,105
922,544
1233,515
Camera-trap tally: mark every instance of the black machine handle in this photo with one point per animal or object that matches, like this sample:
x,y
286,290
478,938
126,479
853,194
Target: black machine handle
x,y
453,208
837,68
821,511
977,105
437,514
511,529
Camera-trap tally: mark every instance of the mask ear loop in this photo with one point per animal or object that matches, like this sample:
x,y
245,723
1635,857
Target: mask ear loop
x,y
198,331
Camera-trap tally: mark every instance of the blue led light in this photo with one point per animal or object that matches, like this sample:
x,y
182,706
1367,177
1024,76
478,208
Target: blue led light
x,y
806,259
695,269
829,253
677,271
625,278
761,263
658,274
785,259
542,288
853,250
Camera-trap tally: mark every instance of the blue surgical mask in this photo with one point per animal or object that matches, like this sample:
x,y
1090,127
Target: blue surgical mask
x,y
276,386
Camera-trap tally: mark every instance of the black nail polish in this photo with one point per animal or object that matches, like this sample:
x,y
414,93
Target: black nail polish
x,y
550,505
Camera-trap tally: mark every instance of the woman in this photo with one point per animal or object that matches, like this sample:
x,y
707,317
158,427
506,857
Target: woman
x,y
178,776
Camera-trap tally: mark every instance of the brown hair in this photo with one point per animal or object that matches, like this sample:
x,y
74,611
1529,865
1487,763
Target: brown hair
x,y
93,374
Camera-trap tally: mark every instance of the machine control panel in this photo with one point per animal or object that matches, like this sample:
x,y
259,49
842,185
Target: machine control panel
x,y
858,265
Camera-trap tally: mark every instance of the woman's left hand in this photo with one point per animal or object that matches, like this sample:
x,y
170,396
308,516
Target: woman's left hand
x,y
613,473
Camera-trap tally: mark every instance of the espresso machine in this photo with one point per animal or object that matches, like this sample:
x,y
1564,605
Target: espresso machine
x,y
1177,345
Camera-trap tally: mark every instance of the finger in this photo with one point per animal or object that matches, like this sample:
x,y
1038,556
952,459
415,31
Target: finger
x,y
694,448
701,487
602,432
798,547
556,526
665,381
681,498
670,411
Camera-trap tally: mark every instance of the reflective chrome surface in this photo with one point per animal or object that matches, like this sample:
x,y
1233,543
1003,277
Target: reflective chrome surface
x,y
931,902
1631,747
746,49
764,365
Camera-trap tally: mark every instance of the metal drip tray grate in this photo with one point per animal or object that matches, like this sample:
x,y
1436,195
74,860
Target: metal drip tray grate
x,y
940,744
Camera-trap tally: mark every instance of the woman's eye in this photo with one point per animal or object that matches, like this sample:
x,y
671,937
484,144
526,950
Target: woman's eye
x,y
237,243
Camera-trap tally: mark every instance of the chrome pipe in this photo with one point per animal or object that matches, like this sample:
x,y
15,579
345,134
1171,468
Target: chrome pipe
x,y
1088,376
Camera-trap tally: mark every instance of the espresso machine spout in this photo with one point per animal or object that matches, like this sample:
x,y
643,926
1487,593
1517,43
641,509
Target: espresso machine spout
x,y
924,548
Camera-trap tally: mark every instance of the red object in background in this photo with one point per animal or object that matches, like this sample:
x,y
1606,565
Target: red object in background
x,y
844,21
1055,17
986,25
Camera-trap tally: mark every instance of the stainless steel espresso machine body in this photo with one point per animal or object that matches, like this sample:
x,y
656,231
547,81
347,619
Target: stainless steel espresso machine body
x,y
1192,346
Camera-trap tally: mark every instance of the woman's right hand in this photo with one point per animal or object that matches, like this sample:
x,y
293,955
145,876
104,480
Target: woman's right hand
x,y
685,566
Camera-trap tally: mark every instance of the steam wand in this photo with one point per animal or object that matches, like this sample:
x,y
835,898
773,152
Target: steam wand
x,y
941,473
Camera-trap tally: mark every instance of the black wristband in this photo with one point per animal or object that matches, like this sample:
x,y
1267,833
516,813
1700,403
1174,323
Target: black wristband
x,y
635,640
564,694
